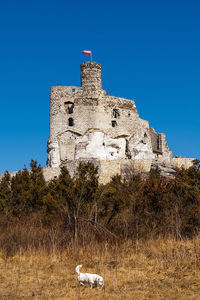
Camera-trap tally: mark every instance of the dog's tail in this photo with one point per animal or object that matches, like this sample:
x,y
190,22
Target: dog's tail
x,y
78,269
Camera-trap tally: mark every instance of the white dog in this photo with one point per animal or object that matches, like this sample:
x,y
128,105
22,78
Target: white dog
x,y
92,279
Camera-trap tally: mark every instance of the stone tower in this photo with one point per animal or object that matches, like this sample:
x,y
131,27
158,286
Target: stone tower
x,y
91,76
87,123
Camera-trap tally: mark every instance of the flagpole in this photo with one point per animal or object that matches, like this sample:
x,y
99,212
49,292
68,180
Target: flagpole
x,y
91,56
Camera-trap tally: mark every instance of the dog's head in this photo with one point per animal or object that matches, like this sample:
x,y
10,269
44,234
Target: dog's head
x,y
100,281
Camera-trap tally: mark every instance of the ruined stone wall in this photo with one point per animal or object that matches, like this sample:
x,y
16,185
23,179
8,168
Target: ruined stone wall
x,y
86,122
65,104
108,169
166,152
71,115
181,162
98,125
123,167
57,116
117,116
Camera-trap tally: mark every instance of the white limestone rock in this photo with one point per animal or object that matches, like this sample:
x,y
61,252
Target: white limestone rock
x,y
53,154
95,144
140,145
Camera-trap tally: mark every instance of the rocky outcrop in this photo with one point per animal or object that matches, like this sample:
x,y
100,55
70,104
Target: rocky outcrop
x,y
165,169
53,154
95,144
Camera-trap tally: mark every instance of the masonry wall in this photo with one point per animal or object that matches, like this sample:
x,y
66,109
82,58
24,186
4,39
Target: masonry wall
x,y
91,76
86,122
117,116
108,169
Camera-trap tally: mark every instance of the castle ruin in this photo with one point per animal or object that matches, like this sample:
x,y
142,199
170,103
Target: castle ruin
x,y
86,123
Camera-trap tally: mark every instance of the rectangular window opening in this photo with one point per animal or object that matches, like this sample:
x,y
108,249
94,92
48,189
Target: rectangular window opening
x,y
114,123
70,122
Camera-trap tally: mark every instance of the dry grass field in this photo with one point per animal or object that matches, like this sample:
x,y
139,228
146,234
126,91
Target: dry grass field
x,y
154,269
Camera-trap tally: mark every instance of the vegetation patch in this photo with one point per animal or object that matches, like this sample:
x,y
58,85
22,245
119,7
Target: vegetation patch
x,y
141,235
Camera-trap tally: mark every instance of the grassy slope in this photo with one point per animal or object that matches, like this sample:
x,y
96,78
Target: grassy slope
x,y
155,269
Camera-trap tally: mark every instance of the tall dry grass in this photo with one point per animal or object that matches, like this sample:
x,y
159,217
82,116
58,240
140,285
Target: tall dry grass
x,y
152,269
133,233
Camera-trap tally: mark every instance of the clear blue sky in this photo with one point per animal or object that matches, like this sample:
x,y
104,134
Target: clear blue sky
x,y
149,50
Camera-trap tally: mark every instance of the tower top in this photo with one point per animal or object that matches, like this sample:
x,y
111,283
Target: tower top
x,y
91,75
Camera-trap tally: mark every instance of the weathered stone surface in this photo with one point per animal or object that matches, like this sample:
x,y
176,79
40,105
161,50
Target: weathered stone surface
x,y
53,154
91,75
86,122
109,168
165,169
95,144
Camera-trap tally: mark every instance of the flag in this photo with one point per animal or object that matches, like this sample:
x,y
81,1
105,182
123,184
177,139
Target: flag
x,y
88,52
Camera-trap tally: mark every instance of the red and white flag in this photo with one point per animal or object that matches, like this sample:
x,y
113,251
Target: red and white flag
x,y
88,52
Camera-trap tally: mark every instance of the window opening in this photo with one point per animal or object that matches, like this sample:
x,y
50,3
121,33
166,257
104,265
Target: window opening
x,y
73,90
116,113
127,150
71,122
69,106
159,142
114,123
